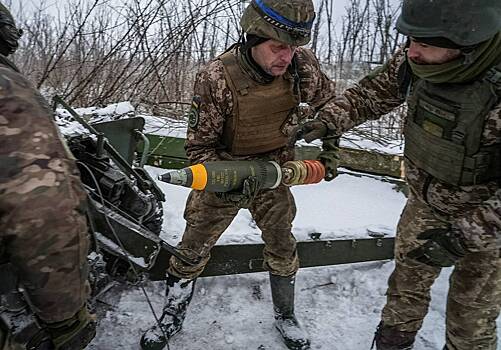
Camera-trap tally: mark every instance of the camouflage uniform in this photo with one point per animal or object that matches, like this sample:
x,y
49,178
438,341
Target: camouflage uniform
x,y
474,298
273,210
43,230
244,110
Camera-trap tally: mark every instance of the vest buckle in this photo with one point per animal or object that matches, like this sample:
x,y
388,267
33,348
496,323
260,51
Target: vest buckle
x,y
493,76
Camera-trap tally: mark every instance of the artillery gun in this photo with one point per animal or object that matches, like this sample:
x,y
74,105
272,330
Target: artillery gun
x,y
125,205
126,211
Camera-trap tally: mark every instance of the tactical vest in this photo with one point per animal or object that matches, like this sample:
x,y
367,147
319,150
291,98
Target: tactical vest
x,y
259,111
444,127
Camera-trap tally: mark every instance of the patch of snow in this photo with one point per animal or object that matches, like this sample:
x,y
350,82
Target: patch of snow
x,y
347,207
110,112
164,126
70,127
351,140
339,306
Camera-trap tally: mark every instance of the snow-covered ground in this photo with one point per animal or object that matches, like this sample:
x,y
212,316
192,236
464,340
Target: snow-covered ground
x,y
339,307
348,207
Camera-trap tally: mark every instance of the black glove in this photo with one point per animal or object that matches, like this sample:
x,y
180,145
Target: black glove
x,y
329,156
312,130
74,333
244,197
443,248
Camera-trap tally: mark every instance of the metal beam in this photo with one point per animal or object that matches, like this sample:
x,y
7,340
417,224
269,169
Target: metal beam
x,y
247,258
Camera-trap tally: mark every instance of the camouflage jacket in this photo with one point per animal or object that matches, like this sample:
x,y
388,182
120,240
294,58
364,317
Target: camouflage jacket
x,y
43,230
476,210
214,103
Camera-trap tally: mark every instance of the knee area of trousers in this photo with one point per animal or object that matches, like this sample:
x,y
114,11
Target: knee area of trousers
x,y
473,306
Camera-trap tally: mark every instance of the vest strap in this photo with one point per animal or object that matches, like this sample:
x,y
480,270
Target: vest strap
x,y
493,76
231,64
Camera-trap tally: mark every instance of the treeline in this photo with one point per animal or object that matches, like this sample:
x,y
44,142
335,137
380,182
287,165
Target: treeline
x,y
94,52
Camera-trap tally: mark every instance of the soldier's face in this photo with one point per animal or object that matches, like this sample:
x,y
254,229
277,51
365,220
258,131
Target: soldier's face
x,y
273,56
421,53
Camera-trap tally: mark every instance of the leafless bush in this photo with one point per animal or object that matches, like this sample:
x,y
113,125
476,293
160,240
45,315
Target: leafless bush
x,y
95,52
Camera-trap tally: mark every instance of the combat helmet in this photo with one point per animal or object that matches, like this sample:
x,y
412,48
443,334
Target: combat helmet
x,y
9,34
289,21
464,22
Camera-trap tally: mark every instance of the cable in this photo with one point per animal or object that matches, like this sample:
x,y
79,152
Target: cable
x,y
189,261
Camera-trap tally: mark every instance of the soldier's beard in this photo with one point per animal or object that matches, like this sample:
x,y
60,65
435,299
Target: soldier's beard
x,y
438,59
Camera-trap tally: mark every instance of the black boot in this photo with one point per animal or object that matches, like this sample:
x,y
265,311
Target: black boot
x,y
390,338
177,298
282,293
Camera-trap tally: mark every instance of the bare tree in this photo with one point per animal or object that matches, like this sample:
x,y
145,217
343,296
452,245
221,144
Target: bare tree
x,y
97,52
316,28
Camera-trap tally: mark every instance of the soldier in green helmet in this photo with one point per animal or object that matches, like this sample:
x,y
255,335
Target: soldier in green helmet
x,y
449,73
43,230
246,107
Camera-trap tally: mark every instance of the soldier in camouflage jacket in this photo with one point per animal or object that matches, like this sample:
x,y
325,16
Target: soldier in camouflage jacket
x,y
449,74
43,230
246,106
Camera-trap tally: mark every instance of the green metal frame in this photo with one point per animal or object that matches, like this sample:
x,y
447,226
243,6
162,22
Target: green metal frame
x,y
168,152
247,258
123,135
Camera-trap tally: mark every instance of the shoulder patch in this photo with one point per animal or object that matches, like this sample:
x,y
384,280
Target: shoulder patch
x,y
193,115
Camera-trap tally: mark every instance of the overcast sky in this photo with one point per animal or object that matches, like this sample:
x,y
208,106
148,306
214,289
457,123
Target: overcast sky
x,y
27,5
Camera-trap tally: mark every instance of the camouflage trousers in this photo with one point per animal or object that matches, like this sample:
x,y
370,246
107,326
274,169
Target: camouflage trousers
x,y
208,216
474,297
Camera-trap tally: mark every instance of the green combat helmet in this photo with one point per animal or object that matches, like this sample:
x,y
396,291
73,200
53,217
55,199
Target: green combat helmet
x,y
9,34
464,22
289,22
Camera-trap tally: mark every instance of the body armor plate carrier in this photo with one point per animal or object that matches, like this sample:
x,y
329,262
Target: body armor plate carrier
x,y
259,112
444,127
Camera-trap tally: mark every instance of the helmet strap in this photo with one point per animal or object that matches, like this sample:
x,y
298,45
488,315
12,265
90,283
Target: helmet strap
x,y
294,72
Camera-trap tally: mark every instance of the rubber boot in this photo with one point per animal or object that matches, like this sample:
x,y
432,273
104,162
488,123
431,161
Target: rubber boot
x,y
390,338
282,293
177,298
